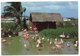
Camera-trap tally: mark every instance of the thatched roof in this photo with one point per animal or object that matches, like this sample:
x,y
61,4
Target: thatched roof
x,y
43,17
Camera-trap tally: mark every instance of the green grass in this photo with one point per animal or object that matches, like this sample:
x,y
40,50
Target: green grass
x,y
52,33
16,47
13,45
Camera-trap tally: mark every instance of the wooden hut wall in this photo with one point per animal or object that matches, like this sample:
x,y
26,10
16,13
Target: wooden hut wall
x,y
44,25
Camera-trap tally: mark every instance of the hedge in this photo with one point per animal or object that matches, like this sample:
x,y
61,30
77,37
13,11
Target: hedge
x,y
53,33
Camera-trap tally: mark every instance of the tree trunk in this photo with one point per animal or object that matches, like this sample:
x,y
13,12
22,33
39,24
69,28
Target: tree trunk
x,y
24,24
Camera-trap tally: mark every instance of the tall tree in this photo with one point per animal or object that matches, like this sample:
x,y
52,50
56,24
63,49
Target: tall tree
x,y
15,9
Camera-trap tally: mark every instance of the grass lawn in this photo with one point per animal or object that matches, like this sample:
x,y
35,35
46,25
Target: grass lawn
x,y
14,46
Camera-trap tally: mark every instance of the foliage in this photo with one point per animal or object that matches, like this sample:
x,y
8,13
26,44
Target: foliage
x,y
7,26
67,24
72,23
72,18
15,9
12,26
52,33
60,24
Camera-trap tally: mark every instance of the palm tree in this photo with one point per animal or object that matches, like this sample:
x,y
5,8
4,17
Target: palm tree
x,y
15,9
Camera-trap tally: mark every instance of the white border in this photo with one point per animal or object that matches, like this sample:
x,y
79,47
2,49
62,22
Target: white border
x,y
32,0
40,1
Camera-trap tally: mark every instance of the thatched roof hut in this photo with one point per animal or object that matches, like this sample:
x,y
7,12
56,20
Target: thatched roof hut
x,y
43,17
46,19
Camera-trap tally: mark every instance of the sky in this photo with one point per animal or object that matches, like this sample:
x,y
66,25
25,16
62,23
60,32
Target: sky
x,y
66,9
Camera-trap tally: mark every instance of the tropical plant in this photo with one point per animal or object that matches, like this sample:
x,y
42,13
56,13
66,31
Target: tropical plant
x,y
15,9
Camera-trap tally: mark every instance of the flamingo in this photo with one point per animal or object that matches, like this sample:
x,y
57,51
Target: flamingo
x,y
62,41
55,39
50,42
38,43
9,36
68,44
67,36
76,44
24,30
58,46
48,39
33,37
25,45
24,35
59,43
53,47
4,40
36,35
43,38
30,27
55,42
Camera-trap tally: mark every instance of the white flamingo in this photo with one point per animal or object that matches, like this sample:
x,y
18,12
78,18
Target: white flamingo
x,y
25,45
37,45
50,42
56,39
60,42
36,35
68,44
43,38
33,37
55,42
10,36
4,40
48,39
76,44
38,42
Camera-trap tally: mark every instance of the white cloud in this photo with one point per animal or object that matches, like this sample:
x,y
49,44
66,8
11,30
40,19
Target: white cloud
x,y
47,7
42,5
72,5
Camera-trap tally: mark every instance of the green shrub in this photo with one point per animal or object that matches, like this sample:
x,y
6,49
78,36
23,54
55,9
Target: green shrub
x,y
12,26
60,24
70,23
52,33
7,26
